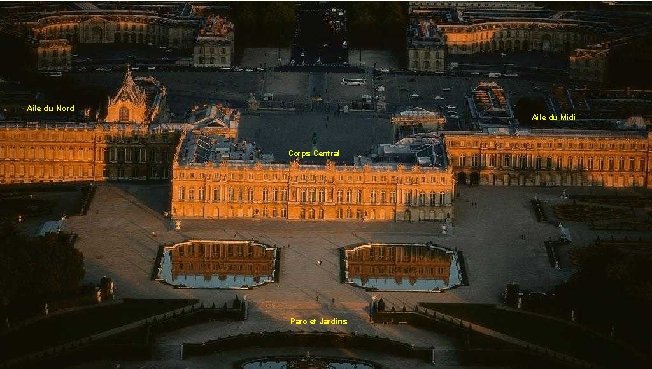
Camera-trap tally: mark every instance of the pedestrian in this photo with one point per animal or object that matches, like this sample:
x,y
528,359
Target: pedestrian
x,y
333,300
317,298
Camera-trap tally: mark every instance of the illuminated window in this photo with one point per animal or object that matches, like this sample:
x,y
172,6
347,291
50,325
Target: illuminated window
x,y
124,114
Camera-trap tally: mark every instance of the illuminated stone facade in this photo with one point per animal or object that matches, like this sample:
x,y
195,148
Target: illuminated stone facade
x,y
117,26
53,55
31,153
552,158
142,101
214,44
434,33
516,35
246,189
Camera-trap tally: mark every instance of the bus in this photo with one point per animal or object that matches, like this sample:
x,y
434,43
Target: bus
x,y
354,81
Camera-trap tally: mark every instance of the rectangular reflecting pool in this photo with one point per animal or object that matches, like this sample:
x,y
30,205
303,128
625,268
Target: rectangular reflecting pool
x,y
218,264
402,267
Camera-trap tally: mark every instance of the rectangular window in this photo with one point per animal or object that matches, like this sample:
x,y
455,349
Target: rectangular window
x,y
216,194
492,160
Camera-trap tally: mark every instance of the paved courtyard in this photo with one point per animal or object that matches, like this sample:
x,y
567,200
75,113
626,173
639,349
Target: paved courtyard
x,y
121,234
277,133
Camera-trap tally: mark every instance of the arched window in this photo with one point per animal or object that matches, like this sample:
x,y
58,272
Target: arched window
x,y
124,114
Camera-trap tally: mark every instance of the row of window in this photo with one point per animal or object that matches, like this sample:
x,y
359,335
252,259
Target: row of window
x,y
316,178
549,145
51,153
114,154
81,137
557,162
46,172
210,60
313,196
79,171
211,50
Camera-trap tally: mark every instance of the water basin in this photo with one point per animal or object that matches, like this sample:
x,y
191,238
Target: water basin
x,y
218,264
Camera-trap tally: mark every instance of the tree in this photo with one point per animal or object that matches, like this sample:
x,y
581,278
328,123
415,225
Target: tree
x,y
612,288
37,270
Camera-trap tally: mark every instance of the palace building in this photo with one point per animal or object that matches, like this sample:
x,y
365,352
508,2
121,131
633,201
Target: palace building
x,y
140,100
550,157
214,179
54,55
102,26
73,152
214,43
124,147
434,32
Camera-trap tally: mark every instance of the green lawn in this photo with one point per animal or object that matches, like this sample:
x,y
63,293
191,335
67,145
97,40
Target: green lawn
x,y
554,334
67,327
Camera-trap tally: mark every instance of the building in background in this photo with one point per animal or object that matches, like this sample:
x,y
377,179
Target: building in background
x,y
53,55
214,44
426,47
106,26
589,64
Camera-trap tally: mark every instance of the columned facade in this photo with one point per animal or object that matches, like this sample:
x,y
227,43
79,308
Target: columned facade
x,y
31,153
568,158
516,35
311,192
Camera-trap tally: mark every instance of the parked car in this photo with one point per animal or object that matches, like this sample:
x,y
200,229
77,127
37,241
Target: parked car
x,y
446,89
439,97
451,107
